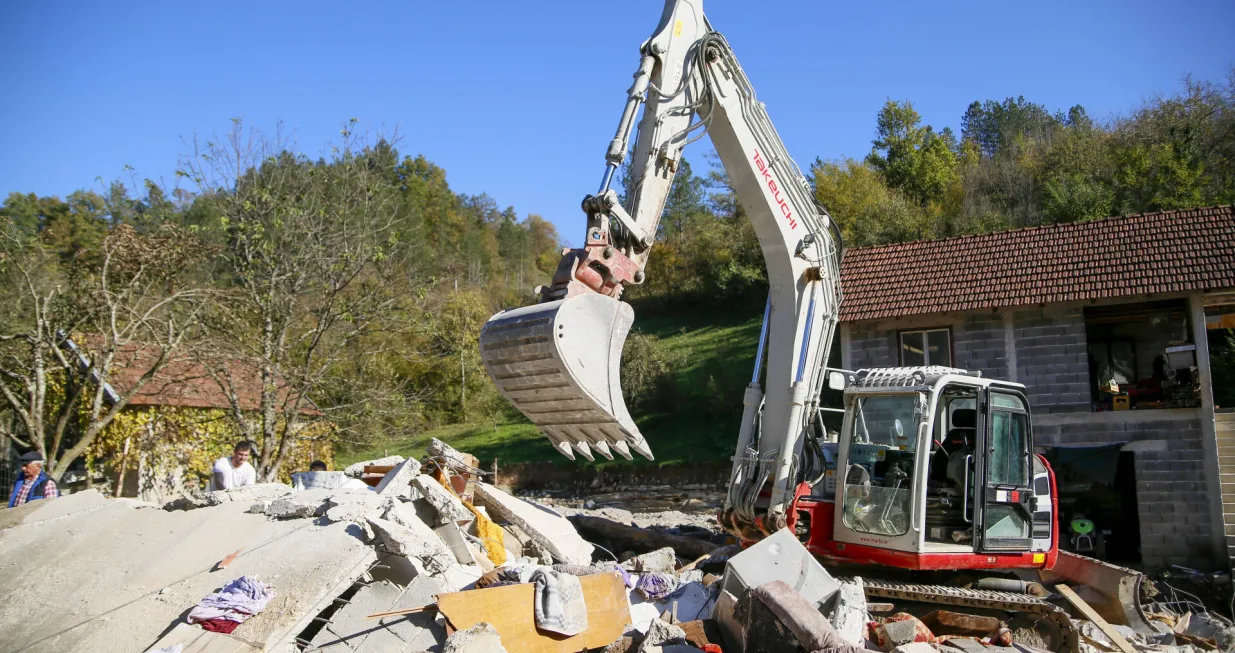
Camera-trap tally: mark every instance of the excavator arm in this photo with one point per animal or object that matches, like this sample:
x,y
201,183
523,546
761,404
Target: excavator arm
x,y
558,360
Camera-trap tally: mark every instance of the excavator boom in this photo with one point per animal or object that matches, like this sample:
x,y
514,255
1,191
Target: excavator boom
x,y
558,360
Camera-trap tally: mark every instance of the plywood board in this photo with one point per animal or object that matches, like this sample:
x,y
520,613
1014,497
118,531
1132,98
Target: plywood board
x,y
511,611
196,640
1092,615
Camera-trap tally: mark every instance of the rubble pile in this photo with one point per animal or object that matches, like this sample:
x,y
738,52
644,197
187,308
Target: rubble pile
x,y
424,555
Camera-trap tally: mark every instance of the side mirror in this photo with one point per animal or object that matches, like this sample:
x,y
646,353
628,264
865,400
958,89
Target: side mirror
x,y
836,380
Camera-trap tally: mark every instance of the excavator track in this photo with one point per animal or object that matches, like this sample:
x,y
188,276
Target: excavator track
x,y
988,599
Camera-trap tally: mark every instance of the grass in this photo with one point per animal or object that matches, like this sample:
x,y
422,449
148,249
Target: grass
x,y
719,352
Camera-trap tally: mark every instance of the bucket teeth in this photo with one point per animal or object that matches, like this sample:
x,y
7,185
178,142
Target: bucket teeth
x,y
603,448
558,363
642,447
623,450
584,450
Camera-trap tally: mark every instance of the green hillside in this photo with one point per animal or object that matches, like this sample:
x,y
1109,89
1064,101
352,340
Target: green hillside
x,y
717,352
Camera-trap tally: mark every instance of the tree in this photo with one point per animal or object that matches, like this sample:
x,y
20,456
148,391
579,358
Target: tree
x,y
685,204
68,323
321,276
913,159
867,211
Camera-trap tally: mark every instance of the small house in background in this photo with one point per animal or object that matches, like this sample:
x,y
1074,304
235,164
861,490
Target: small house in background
x,y
1118,329
180,421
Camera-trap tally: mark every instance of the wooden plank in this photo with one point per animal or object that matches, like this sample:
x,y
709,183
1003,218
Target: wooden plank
x,y
196,640
511,611
1093,616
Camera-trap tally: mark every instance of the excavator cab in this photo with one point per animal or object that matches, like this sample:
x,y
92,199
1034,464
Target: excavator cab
x,y
935,470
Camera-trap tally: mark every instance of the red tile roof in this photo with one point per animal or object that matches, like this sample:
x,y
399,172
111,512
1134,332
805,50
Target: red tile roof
x,y
1166,252
186,382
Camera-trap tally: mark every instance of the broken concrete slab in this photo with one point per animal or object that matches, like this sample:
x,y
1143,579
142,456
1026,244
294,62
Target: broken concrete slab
x,y
548,529
403,541
348,626
356,470
481,638
660,634
396,480
249,493
849,615
782,557
966,645
123,576
664,560
896,633
46,510
458,577
302,481
419,630
449,508
354,506
309,503
915,647
192,638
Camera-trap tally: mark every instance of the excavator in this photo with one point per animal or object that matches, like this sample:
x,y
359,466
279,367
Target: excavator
x,y
933,467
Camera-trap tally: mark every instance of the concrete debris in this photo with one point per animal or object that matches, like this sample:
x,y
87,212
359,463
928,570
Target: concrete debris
x,y
849,615
401,540
341,555
481,638
914,647
550,530
302,481
310,503
452,457
396,480
661,560
660,634
249,493
357,470
354,507
449,508
779,557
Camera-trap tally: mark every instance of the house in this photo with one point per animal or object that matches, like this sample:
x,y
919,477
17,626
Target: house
x,y
181,420
1110,325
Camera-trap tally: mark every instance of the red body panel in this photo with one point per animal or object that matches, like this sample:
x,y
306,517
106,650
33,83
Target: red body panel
x,y
822,514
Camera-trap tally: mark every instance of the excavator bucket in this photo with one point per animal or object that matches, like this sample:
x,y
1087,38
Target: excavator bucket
x,y
558,362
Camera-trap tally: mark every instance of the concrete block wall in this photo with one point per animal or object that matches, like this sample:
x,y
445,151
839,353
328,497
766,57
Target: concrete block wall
x,y
1172,502
1052,359
872,346
978,343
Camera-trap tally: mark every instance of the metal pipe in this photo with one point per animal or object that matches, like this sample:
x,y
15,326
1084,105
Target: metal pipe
x,y
610,168
763,340
810,318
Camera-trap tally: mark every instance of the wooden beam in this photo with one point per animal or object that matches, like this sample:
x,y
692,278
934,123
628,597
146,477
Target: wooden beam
x,y
1093,616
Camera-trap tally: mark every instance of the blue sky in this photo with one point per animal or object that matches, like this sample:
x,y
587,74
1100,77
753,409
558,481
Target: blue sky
x,y
519,99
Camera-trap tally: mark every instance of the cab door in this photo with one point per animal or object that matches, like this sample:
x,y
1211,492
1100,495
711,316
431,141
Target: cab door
x,y
1004,519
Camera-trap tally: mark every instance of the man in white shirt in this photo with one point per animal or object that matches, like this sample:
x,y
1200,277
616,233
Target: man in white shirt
x,y
231,472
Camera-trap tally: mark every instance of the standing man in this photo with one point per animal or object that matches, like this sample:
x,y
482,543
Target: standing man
x,y
231,472
33,484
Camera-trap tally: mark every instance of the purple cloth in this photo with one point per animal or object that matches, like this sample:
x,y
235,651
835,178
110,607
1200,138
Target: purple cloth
x,y
237,601
656,586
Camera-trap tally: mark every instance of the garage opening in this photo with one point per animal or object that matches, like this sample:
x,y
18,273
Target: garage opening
x,y
1097,502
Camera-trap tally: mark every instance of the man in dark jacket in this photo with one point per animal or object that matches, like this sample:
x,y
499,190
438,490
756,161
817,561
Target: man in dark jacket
x,y
33,484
